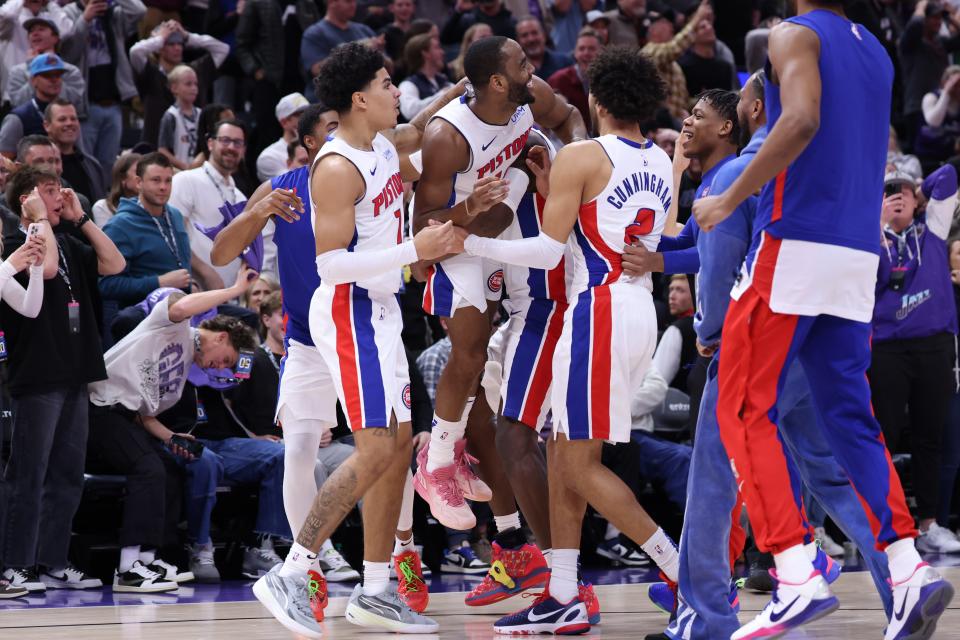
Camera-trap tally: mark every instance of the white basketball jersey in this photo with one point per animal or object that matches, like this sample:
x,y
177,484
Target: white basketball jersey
x,y
493,148
379,211
631,208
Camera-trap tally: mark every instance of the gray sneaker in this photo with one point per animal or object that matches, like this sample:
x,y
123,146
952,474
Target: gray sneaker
x,y
201,564
288,600
335,568
257,562
386,611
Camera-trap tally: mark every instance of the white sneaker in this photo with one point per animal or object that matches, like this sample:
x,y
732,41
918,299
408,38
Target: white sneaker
x,y
918,602
169,572
828,544
938,539
71,578
335,568
25,578
792,605
139,579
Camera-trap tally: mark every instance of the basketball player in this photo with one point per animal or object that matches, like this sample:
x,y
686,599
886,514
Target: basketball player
x,y
807,293
356,194
607,191
467,147
710,536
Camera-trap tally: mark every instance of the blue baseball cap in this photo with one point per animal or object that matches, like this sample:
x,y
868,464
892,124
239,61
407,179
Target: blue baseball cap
x,y
45,63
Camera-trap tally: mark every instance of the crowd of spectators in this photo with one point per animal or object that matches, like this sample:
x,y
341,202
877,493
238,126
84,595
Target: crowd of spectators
x,y
155,121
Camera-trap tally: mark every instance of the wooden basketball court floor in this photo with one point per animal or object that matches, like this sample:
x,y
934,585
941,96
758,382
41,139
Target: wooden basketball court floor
x,y
626,613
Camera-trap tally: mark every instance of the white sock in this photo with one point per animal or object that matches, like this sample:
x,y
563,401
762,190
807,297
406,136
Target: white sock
x,y
128,555
612,532
405,522
443,438
148,556
326,546
811,549
299,561
507,522
903,559
548,556
793,564
563,575
376,577
402,546
661,550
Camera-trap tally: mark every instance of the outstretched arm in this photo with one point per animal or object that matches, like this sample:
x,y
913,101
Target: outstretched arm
x,y
183,307
265,203
794,54
551,110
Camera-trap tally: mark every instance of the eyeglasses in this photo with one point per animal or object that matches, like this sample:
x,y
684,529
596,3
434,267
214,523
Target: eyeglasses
x,y
231,142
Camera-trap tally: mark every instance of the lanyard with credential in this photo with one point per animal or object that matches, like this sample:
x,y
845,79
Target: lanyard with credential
x,y
217,185
171,242
271,358
73,307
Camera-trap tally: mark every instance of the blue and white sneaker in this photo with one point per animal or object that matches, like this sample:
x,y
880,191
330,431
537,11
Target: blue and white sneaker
x,y
792,605
918,602
827,566
463,560
546,615
663,598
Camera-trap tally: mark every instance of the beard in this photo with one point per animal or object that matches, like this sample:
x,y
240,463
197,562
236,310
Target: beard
x,y
745,134
519,94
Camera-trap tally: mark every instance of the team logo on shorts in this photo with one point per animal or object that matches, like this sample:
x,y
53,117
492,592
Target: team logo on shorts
x,y
495,281
406,396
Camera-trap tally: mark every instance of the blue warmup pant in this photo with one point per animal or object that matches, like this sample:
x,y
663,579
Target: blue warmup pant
x,y
704,611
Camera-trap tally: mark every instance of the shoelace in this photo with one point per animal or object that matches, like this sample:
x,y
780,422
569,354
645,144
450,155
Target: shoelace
x,y
411,580
464,462
145,573
23,575
447,487
313,588
72,573
303,604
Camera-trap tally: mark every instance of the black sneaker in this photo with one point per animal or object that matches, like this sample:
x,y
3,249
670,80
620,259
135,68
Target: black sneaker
x,y
25,578
8,591
760,580
140,579
71,578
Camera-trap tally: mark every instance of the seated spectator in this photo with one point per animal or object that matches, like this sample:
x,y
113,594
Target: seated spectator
x,y
99,47
625,22
146,375
14,43
914,324
123,184
571,82
150,235
297,156
178,126
680,297
569,17
424,59
81,170
396,33
44,38
263,287
599,22
708,63
273,160
938,134
253,403
474,33
664,47
152,59
336,28
46,79
210,115
467,13
533,41
901,161
51,360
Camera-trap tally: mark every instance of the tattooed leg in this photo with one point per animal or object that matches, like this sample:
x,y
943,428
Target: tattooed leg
x,y
382,502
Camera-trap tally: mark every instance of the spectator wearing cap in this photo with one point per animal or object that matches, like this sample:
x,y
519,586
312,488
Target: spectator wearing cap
x,y
44,37
152,59
664,48
424,58
568,16
571,82
80,169
708,63
46,78
625,22
98,47
467,13
273,160
533,41
599,22
336,28
914,328
14,44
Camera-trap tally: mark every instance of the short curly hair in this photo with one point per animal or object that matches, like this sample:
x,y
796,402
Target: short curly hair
x,y
626,83
349,68
241,336
725,104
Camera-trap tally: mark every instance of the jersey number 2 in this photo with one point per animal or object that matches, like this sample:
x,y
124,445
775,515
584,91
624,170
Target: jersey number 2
x,y
642,225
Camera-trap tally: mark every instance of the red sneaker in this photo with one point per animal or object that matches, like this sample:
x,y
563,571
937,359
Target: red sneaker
x,y
589,598
317,585
410,585
511,572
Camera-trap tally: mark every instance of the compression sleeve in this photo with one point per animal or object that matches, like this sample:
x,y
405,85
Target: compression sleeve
x,y
26,303
341,266
541,252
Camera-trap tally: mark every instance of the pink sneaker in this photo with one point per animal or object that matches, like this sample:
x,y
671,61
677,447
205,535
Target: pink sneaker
x,y
471,486
441,492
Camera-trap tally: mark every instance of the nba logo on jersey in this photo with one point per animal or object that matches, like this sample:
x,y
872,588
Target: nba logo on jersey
x,y
495,281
